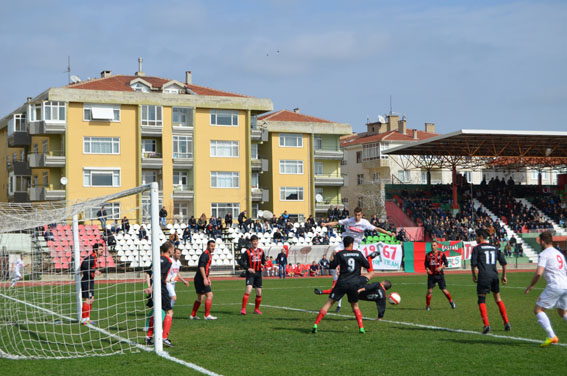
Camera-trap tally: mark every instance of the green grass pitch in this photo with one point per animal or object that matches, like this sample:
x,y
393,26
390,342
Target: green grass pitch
x,y
280,341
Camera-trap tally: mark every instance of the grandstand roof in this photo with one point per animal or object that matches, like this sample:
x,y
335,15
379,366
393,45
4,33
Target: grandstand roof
x,y
490,143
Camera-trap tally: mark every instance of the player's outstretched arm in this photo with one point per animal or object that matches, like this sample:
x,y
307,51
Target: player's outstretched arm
x,y
385,232
330,224
535,279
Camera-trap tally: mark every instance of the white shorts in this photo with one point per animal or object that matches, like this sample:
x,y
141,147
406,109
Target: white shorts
x,y
341,246
17,276
171,289
553,298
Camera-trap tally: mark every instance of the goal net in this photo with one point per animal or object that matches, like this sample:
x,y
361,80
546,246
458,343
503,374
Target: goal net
x,y
46,308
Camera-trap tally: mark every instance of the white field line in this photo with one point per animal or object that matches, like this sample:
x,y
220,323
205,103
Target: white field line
x,y
431,327
163,354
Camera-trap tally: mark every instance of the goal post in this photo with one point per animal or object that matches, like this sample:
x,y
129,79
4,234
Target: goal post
x,y
42,303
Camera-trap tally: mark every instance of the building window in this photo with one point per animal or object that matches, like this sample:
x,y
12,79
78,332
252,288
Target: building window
x,y
180,180
404,176
224,118
54,111
291,167
360,179
149,177
291,193
45,178
35,112
100,145
344,200
423,177
181,209
183,147
360,202
225,179
255,208
104,112
225,149
344,161
182,116
374,151
254,151
44,147
149,145
358,157
152,115
255,180
146,208
140,87
112,211
345,180
291,140
318,168
98,177
220,209
173,89
318,143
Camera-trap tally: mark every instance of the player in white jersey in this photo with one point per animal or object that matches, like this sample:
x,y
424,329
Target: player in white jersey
x,y
174,275
18,270
552,265
355,228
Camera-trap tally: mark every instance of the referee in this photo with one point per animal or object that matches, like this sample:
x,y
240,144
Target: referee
x,y
435,262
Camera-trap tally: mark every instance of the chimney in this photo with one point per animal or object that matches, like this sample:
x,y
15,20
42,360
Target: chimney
x,y
430,127
392,122
105,73
414,134
188,77
402,126
140,73
28,100
296,110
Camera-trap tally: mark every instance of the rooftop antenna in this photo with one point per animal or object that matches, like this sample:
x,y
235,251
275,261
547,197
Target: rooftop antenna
x,y
68,69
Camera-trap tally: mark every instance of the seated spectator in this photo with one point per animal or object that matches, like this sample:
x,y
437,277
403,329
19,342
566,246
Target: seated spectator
x,y
187,235
48,235
277,236
115,227
202,223
125,224
269,267
174,238
193,224
228,220
142,233
298,270
289,270
314,269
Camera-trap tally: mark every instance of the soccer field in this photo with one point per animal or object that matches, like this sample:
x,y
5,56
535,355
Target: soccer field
x,y
409,341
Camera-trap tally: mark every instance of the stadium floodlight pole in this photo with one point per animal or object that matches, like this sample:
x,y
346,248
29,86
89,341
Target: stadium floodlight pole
x,y
156,267
77,264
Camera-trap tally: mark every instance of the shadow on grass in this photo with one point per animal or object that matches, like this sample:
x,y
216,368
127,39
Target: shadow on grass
x,y
305,330
487,340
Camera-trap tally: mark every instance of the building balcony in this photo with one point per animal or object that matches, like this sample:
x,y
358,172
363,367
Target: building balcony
x,y
260,195
259,165
183,192
52,159
182,160
19,139
329,180
334,154
18,197
259,134
375,163
47,127
47,194
152,130
19,168
323,206
181,130
151,160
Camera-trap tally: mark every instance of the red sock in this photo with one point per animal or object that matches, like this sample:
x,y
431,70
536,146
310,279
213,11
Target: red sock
x,y
448,295
90,306
327,291
503,311
208,304
428,299
320,316
483,314
196,306
245,300
358,316
257,302
166,326
85,311
151,327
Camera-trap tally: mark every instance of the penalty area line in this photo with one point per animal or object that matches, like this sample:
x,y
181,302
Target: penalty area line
x,y
431,327
163,354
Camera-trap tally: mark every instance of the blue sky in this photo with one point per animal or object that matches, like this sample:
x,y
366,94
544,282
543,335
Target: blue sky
x,y
459,64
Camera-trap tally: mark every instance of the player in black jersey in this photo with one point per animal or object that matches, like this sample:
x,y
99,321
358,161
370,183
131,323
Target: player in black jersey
x,y
89,270
435,262
350,261
203,283
374,292
253,260
483,262
165,265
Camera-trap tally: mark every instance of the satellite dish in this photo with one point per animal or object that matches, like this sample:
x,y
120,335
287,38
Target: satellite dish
x,y
319,197
63,180
266,214
260,214
75,79
381,119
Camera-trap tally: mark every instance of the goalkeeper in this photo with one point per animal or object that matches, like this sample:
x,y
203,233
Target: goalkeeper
x,y
89,270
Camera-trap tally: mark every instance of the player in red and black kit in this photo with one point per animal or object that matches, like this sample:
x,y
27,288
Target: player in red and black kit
x,y
203,283
435,262
350,261
252,260
483,260
89,270
165,265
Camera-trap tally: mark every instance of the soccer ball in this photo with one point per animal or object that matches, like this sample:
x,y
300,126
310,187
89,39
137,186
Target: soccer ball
x,y
395,298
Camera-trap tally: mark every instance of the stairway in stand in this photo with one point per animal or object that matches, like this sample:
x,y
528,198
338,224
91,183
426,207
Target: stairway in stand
x,y
397,216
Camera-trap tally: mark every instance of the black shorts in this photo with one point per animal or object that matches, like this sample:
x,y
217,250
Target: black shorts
x,y
438,279
200,287
87,288
342,288
254,279
165,300
487,284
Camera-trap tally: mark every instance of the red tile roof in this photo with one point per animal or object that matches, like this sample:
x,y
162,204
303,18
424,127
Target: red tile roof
x,y
122,83
395,135
286,115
